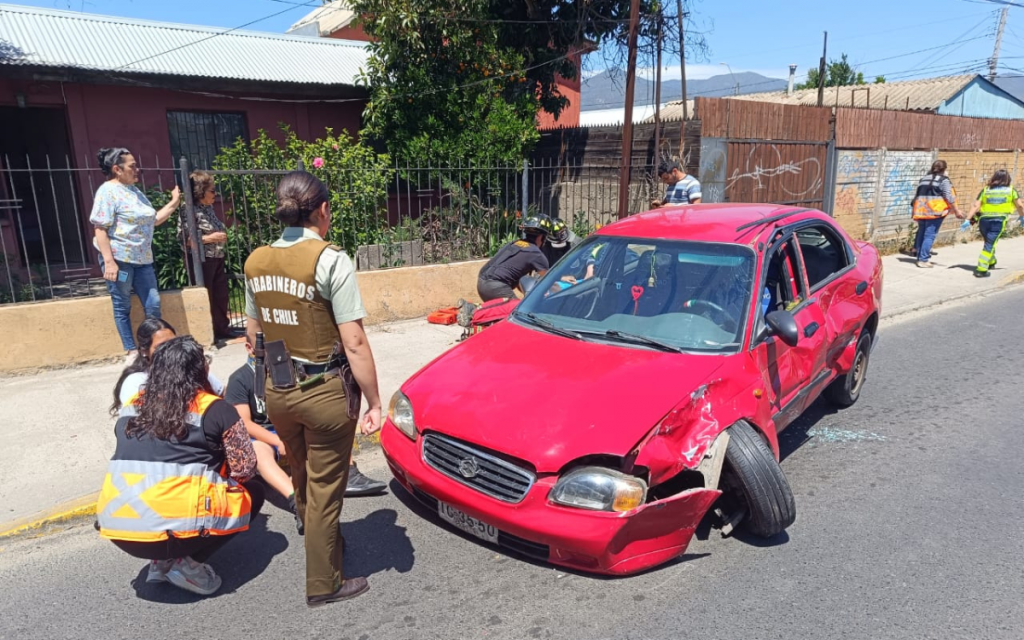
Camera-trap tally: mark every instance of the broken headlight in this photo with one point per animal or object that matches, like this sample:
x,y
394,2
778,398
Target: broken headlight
x,y
599,489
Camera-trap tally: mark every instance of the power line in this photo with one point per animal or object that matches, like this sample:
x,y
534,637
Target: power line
x,y
961,39
219,33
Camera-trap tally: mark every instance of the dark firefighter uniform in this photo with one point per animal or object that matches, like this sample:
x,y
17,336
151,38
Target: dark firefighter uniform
x,y
300,289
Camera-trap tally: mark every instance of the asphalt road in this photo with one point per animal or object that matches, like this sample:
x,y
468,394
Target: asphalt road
x,y
908,526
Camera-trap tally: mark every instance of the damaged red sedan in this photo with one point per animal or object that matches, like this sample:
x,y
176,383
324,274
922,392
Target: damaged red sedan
x,y
597,426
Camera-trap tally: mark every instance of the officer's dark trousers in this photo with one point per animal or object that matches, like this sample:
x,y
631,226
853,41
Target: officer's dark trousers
x,y
199,549
317,433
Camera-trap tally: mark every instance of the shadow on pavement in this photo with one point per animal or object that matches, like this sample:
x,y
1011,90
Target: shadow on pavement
x,y
422,511
240,561
376,544
796,435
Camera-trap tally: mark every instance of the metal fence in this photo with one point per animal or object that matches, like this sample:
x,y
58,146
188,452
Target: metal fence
x,y
406,214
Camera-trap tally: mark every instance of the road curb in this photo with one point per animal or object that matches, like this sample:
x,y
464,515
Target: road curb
x,y
65,513
84,508
1014,278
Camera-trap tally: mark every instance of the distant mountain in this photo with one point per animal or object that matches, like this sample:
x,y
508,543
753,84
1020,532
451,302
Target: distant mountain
x,y
607,90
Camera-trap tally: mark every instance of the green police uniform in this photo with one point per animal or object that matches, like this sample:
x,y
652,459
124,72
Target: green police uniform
x,y
300,289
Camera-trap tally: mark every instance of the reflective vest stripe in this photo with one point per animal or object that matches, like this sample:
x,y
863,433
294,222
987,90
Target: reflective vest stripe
x,y
144,500
147,501
997,202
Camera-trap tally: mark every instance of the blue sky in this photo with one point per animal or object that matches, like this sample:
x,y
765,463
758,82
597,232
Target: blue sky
x,y
880,36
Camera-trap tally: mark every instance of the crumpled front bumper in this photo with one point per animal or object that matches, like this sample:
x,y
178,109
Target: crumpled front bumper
x,y
591,541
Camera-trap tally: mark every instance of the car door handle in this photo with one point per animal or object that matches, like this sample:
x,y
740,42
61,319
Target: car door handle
x,y
862,287
811,329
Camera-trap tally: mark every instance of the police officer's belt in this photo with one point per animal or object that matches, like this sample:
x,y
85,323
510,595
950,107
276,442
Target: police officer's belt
x,y
304,371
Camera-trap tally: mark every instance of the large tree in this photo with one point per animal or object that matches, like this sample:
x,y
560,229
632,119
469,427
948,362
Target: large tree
x,y
465,80
838,73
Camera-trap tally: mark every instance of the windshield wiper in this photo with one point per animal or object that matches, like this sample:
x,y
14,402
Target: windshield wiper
x,y
549,327
644,340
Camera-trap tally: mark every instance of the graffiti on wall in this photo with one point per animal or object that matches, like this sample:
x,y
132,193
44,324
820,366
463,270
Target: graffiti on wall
x,y
856,179
901,173
765,172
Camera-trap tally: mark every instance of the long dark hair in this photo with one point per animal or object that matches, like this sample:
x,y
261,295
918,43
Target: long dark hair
x,y
109,157
1000,178
299,195
177,375
144,341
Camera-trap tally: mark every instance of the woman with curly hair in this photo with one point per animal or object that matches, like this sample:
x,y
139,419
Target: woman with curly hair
x,y
178,486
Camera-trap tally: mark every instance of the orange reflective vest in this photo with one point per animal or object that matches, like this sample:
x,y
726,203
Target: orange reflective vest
x,y
929,201
148,498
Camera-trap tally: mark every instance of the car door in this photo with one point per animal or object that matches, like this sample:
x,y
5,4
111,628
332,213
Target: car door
x,y
829,265
792,374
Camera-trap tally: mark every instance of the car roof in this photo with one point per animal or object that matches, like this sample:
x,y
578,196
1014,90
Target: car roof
x,y
708,222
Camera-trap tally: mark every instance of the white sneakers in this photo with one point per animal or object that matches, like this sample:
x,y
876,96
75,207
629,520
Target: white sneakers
x,y
130,357
185,573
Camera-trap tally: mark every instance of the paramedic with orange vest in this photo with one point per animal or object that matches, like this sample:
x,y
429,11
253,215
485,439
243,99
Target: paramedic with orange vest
x,y
179,484
934,200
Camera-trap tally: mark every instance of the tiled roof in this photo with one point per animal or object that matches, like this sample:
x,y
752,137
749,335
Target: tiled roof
x,y
910,95
73,40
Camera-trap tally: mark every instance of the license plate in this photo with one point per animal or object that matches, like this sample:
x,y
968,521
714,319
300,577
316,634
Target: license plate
x,y
466,523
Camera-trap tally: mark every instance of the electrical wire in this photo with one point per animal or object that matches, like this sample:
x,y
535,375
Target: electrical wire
x,y
310,3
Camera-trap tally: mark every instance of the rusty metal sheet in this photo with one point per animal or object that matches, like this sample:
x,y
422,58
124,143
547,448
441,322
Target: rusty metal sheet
x,y
776,172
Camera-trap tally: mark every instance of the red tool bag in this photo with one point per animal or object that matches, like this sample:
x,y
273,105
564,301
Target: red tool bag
x,y
490,313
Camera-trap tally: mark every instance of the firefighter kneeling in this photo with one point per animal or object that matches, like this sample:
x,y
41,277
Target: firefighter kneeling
x,y
178,486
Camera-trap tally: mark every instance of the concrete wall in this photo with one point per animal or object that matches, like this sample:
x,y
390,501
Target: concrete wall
x,y
64,332
874,188
413,292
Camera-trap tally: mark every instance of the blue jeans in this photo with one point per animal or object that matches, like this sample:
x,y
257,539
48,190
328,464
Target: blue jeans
x,y
991,230
141,278
927,230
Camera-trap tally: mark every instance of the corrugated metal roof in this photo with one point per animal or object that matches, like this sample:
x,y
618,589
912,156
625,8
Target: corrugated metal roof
x,y
328,18
909,95
68,39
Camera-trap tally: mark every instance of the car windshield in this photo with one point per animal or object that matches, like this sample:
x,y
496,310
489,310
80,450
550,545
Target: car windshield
x,y
647,293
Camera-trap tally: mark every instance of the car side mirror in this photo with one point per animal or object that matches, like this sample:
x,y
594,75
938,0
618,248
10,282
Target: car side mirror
x,y
783,325
527,283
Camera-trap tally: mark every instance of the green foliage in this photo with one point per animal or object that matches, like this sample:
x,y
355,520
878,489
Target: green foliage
x,y
168,249
469,224
356,177
466,80
838,73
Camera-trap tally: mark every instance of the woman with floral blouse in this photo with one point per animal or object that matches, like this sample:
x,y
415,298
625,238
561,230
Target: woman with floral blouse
x,y
124,219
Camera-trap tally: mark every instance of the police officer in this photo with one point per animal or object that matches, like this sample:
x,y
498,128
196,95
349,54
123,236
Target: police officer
x,y
994,206
301,293
502,273
559,242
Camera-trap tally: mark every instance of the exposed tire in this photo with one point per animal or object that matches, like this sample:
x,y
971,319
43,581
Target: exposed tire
x,y
845,389
753,479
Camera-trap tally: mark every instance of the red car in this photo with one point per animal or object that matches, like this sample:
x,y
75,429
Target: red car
x,y
597,425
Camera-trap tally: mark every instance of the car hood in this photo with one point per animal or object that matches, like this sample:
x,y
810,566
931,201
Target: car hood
x,y
550,400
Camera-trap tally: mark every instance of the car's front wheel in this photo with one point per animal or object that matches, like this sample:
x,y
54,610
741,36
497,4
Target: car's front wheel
x,y
845,389
753,481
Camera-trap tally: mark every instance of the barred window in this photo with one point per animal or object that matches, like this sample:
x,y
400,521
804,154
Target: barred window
x,y
200,136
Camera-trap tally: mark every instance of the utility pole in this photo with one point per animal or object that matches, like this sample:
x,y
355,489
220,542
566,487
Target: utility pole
x,y
821,73
993,62
627,126
682,69
657,98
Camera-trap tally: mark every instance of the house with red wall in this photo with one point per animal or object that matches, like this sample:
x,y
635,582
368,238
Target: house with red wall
x,y
71,83
336,20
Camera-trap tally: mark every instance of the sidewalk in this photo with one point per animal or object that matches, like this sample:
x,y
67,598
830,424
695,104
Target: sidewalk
x,y
59,436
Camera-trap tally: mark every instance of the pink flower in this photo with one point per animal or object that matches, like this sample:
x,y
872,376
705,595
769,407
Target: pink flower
x,y
334,146
318,162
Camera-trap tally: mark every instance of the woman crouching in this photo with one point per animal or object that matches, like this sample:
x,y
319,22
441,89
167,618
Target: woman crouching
x,y
178,487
